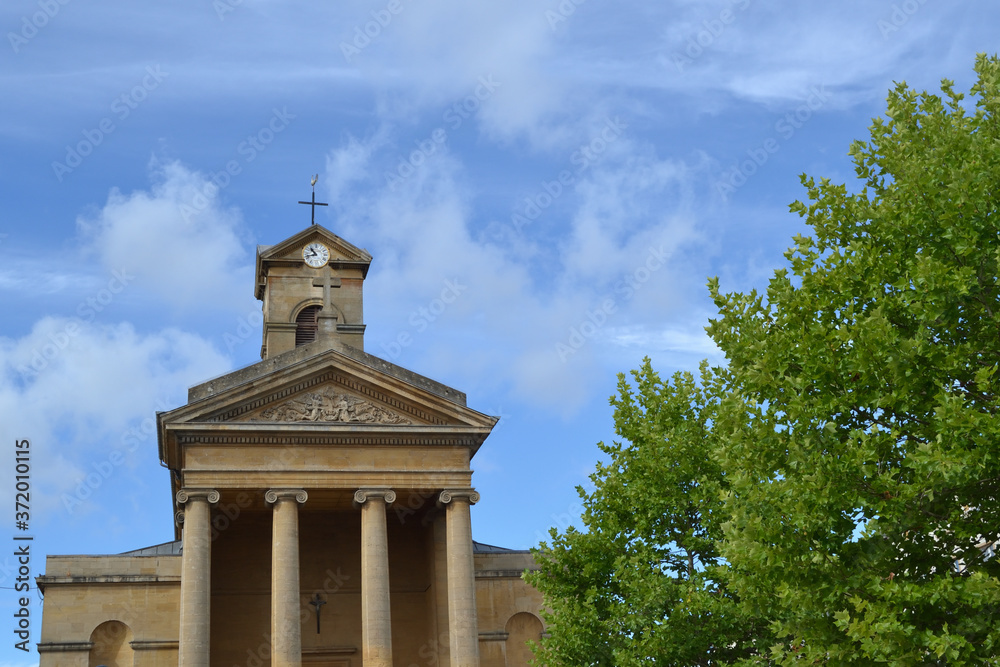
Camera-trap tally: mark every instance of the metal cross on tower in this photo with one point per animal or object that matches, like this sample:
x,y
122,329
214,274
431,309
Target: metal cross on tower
x,y
314,203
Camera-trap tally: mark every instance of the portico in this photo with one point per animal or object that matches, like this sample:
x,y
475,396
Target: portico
x,y
322,500
286,592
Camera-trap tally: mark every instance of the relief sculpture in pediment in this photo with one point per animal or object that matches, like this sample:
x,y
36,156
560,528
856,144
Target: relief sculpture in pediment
x,y
327,405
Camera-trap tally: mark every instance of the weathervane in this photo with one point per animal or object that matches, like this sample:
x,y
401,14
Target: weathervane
x,y
314,203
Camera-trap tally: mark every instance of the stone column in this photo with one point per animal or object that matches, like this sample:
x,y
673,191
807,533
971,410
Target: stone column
x,y
196,576
286,629
463,627
376,625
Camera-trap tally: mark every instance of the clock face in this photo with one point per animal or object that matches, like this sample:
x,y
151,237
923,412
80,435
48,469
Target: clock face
x,y
316,254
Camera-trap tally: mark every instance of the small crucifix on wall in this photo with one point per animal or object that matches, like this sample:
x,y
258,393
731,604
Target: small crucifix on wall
x,y
318,603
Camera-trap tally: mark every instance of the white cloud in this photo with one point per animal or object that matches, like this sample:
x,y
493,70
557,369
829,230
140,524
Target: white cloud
x,y
76,390
682,341
348,165
621,217
518,315
178,239
31,275
471,42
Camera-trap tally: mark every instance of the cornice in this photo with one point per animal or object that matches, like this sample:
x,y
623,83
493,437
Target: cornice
x,y
323,437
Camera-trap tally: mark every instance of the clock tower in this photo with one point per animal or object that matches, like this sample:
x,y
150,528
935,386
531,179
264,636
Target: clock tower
x,y
311,288
322,500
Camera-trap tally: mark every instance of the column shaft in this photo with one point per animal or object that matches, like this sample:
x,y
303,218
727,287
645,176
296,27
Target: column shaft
x,y
376,625
196,572
463,626
286,627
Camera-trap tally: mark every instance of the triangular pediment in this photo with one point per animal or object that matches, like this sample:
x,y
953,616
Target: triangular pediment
x,y
291,248
330,398
333,388
336,254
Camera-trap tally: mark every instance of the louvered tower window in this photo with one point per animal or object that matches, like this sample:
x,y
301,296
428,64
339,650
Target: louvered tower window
x,y
306,325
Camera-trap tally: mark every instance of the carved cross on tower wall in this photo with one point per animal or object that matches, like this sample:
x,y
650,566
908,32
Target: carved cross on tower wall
x,y
328,283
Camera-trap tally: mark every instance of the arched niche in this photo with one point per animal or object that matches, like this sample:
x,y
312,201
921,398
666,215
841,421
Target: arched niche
x,y
112,647
521,628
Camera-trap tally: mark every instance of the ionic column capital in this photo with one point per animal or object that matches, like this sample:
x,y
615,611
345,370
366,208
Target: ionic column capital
x,y
272,496
361,496
470,495
186,494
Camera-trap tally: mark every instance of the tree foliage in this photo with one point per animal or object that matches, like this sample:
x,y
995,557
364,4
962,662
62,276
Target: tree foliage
x,y
836,496
869,464
646,578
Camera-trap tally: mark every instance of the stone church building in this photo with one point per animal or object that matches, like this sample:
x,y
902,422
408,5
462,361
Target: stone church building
x,y
322,499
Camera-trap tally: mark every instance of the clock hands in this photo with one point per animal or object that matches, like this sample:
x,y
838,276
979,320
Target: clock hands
x,y
316,254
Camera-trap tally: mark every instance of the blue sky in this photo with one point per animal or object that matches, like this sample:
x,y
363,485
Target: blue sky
x,y
568,174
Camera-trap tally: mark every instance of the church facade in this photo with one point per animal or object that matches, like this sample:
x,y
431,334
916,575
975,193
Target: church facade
x,y
323,511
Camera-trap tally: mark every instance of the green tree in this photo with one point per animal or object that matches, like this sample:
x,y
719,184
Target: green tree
x,y
644,584
864,467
